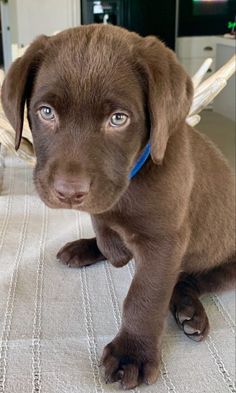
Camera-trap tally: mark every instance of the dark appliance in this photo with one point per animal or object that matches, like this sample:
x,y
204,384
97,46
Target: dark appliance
x,y
146,17
206,17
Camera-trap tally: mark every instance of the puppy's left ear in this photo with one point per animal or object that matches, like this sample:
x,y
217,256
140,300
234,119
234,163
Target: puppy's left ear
x,y
18,83
169,92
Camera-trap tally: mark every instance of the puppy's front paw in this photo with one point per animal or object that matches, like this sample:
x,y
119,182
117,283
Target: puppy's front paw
x,y
79,253
131,360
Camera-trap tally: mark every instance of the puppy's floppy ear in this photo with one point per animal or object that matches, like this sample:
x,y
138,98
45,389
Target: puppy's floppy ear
x,y
169,92
18,83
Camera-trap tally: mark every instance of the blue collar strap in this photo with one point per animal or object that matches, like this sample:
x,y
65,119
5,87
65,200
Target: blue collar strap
x,y
141,161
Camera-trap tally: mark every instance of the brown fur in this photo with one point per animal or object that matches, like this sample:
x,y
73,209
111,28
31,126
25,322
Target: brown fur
x,y
175,217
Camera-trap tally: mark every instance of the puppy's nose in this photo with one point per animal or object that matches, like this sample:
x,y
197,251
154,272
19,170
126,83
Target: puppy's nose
x,y
71,190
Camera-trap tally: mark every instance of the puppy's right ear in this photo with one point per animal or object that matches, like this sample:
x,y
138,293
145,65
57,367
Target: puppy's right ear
x,y
18,84
169,92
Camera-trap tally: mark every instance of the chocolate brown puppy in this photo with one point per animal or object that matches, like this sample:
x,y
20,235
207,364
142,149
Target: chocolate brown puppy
x,y
96,96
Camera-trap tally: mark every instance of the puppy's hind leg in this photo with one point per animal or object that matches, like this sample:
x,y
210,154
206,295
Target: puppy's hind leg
x,y
187,309
185,305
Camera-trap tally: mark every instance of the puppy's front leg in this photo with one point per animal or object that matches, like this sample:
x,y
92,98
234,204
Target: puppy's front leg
x,y
84,252
134,355
111,244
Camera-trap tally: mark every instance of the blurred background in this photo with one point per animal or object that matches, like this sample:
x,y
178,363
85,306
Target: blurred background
x,y
194,29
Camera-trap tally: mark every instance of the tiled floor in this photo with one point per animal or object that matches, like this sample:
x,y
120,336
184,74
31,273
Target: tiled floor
x,y
222,131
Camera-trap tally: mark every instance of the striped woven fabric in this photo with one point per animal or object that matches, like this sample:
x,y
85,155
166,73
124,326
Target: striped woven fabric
x,y
54,321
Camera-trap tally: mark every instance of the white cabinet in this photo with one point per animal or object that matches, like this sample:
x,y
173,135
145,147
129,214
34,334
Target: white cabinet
x,y
192,47
192,51
192,65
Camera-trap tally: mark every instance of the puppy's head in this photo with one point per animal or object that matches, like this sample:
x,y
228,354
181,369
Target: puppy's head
x,y
95,95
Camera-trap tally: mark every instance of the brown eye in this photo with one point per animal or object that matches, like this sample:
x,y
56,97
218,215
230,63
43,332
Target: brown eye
x,y
47,113
118,119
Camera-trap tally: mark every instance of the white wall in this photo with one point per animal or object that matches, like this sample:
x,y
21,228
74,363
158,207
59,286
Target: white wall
x,y
44,17
30,18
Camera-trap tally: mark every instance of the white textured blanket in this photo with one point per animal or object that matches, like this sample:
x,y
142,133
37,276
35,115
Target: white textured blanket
x,y
54,321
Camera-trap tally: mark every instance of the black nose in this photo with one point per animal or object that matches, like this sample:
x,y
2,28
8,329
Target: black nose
x,y
71,190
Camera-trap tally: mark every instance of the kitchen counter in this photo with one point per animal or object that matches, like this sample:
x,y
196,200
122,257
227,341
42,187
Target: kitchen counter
x,y
230,42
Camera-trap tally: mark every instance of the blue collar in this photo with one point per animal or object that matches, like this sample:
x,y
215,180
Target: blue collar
x,y
141,161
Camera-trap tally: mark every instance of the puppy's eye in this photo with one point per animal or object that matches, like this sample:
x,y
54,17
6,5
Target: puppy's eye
x,y
47,113
118,119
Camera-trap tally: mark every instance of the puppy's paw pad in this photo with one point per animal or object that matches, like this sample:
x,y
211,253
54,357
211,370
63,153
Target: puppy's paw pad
x,y
75,254
196,328
67,255
192,319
